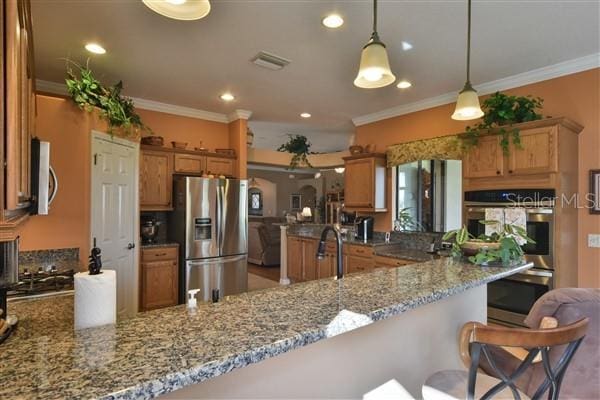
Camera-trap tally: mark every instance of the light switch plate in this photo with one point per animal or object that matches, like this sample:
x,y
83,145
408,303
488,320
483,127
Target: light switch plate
x,y
594,240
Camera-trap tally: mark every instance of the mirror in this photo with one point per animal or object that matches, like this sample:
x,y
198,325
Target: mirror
x,y
428,196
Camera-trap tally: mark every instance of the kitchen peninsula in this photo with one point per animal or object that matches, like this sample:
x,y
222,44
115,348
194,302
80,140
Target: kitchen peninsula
x,y
203,351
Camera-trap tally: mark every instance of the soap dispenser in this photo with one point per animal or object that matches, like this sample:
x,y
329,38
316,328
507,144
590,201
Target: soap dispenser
x,y
192,302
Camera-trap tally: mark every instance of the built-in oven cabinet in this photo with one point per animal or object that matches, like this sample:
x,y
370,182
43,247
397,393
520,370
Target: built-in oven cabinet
x,y
17,116
546,148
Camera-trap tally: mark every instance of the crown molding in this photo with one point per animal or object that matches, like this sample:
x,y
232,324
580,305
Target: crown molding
x,y
537,75
61,89
240,114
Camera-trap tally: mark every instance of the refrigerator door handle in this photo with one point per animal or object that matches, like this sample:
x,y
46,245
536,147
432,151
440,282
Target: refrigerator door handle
x,y
221,216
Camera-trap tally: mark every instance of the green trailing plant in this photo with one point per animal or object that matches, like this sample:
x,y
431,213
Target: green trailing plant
x,y
299,147
501,111
507,252
89,93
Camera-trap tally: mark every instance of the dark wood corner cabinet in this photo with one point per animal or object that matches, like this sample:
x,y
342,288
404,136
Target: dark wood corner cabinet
x,y
159,277
158,164
17,114
365,183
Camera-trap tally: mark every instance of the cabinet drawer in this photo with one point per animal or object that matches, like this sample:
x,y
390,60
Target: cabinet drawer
x,y
159,254
360,251
359,264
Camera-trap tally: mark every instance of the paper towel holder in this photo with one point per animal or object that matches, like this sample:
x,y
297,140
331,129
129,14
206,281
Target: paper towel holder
x,y
95,264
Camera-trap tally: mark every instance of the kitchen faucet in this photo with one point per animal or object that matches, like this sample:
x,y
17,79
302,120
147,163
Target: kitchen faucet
x,y
321,248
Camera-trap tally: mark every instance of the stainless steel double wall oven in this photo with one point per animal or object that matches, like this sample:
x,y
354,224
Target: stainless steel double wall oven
x,y
510,299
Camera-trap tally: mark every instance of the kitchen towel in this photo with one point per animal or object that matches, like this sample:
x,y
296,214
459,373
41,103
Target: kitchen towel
x,y
516,216
494,214
95,299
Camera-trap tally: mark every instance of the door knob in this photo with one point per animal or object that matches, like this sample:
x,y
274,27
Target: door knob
x,y
130,246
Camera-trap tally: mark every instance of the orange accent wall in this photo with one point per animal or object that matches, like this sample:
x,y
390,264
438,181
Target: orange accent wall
x,y
195,132
239,142
575,96
68,128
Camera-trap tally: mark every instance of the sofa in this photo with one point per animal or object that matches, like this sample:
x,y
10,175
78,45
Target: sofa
x,y
264,241
567,305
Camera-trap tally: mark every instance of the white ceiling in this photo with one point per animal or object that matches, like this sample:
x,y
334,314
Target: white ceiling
x,y
191,63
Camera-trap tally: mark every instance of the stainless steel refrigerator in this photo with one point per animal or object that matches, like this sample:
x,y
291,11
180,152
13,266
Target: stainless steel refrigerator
x,y
210,223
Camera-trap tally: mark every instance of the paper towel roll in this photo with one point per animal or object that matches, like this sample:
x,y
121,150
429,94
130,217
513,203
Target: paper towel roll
x,y
95,299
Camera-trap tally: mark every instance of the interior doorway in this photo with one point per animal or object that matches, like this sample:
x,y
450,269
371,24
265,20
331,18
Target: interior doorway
x,y
115,213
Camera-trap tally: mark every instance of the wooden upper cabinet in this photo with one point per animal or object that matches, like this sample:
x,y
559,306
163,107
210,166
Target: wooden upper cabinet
x,y
537,154
220,166
365,183
156,180
484,160
190,163
19,87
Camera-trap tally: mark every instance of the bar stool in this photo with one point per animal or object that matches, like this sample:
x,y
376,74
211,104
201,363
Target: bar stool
x,y
477,339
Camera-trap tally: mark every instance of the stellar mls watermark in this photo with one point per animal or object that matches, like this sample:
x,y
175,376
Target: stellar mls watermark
x,y
574,200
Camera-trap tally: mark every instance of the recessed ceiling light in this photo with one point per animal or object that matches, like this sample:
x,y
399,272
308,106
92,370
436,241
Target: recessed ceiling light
x,y
305,115
333,21
227,97
95,48
406,46
186,10
404,84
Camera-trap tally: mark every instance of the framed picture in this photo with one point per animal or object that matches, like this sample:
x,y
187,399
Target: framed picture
x,y
295,202
594,196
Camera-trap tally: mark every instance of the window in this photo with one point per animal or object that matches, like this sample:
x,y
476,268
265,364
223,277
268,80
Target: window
x,y
255,202
428,195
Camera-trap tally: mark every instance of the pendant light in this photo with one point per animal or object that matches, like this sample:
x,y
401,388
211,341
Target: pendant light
x,y
374,71
467,104
186,10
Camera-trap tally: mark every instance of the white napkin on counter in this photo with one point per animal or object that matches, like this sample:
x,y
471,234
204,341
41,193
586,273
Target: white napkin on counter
x,y
346,321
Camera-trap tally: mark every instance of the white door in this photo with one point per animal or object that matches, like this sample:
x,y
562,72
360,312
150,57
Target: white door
x,y
113,222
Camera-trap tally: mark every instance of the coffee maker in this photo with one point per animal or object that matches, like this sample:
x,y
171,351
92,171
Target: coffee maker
x,y
364,228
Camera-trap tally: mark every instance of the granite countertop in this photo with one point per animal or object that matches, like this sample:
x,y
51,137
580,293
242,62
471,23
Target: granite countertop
x,y
158,245
349,239
403,253
160,351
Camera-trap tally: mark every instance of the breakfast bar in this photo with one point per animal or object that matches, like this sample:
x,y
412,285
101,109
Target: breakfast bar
x,y
196,350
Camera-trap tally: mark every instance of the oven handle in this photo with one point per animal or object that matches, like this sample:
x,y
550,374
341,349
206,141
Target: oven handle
x,y
528,210
536,272
544,204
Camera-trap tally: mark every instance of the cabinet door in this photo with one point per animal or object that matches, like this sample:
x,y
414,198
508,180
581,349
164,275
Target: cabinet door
x,y
159,284
309,251
219,166
326,268
155,180
19,105
189,163
359,183
294,259
359,264
537,154
484,160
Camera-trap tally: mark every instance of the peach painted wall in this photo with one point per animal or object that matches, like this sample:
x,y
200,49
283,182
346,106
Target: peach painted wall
x,y
575,96
68,129
196,132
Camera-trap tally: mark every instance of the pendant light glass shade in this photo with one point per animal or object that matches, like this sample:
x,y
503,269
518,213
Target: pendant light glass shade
x,y
467,105
374,71
186,10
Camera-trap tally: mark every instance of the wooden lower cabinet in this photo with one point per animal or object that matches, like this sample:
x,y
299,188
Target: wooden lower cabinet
x,y
355,264
294,259
159,278
302,260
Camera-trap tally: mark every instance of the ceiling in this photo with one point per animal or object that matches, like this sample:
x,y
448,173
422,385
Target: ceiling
x,y
191,63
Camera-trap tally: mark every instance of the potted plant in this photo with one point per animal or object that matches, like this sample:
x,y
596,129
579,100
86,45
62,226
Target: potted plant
x,y
500,247
299,147
501,111
89,94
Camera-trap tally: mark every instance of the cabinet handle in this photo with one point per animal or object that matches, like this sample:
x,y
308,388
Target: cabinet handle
x,y
160,254
497,172
510,171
